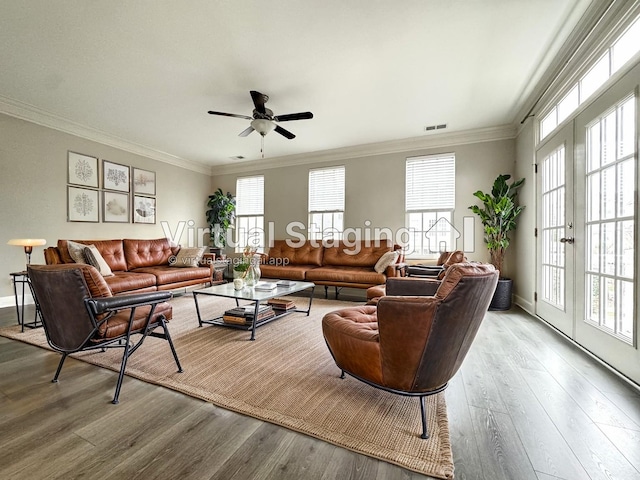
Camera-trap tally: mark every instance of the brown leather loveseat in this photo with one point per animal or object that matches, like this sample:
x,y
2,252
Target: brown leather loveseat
x,y
137,265
338,264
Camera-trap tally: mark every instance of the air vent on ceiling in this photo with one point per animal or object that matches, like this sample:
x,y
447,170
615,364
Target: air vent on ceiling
x,y
430,128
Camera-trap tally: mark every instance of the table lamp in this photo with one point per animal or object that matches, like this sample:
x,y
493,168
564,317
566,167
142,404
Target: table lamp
x,y
28,244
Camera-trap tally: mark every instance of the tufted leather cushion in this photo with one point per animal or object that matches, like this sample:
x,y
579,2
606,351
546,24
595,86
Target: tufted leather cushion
x,y
309,253
117,325
352,336
147,253
356,254
122,282
111,250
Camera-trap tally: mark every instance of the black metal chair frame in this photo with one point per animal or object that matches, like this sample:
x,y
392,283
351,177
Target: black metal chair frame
x,y
109,306
421,396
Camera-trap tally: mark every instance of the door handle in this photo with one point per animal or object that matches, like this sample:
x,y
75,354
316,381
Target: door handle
x,y
567,240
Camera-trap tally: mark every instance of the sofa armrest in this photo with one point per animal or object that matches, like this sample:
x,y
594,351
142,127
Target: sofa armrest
x,y
412,286
52,256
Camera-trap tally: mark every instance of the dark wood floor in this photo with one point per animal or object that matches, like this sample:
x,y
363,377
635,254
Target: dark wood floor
x,y
525,405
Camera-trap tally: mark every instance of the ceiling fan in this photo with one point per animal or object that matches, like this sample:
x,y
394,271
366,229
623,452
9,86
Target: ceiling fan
x,y
263,119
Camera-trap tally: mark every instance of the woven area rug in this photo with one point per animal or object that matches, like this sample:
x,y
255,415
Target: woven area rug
x,y
286,377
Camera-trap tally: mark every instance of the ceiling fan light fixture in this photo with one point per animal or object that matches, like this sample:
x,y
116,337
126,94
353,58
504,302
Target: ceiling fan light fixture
x,y
262,126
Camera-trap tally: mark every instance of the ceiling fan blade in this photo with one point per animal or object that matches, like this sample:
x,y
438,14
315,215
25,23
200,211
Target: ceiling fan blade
x,y
259,99
246,131
285,133
211,112
293,116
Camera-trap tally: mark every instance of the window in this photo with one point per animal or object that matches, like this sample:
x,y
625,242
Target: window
x,y
429,204
623,49
326,203
250,213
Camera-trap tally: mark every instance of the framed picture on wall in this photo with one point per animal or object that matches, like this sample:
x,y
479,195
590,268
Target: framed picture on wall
x,y
144,181
144,209
115,176
115,207
82,170
82,205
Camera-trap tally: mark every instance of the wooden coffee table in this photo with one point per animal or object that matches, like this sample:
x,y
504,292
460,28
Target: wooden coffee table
x,y
256,296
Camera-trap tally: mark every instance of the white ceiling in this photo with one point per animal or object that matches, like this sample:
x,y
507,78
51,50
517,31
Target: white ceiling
x,y
147,72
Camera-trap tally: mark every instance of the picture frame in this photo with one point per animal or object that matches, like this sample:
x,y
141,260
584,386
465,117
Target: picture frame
x,y
82,169
115,207
144,209
115,176
82,205
144,181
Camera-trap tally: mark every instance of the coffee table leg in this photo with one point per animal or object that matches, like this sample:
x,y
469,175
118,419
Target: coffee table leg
x,y
310,300
253,324
195,299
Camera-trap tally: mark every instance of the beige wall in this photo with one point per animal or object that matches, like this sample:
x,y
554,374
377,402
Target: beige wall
x,y
33,190
524,252
375,188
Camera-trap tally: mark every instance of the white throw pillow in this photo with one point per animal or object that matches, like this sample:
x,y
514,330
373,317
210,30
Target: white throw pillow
x,y
187,257
94,258
385,260
76,250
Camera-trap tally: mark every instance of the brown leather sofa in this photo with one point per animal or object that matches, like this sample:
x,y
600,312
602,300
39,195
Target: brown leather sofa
x,y
336,264
137,265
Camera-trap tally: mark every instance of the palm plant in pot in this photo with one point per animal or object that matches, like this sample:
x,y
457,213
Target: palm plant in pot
x,y
498,215
220,216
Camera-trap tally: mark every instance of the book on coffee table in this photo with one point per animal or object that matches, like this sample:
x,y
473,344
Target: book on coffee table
x,y
244,315
281,304
265,286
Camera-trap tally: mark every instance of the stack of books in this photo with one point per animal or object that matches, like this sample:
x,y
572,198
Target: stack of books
x,y
244,315
282,304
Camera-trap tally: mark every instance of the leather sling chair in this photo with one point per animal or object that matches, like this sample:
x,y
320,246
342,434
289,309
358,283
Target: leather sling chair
x,y
79,313
430,274
413,345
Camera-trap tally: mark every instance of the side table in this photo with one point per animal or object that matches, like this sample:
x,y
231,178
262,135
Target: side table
x,y
219,267
22,278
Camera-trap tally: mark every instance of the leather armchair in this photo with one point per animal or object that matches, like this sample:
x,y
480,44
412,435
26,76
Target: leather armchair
x,y
79,313
413,345
422,279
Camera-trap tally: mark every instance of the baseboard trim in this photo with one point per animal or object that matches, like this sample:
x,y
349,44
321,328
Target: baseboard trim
x,y
11,301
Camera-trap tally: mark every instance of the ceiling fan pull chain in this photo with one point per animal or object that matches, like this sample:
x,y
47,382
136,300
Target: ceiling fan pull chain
x,y
262,145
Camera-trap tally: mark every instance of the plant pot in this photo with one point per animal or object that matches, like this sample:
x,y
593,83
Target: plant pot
x,y
216,250
502,297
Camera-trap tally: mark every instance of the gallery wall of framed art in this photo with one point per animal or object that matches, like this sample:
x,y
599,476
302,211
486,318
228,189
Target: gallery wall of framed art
x,y
126,194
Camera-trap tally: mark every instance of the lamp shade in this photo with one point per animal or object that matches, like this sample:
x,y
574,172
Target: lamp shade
x,y
27,242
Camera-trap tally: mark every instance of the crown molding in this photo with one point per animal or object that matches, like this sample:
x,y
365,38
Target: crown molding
x,y
30,113
480,135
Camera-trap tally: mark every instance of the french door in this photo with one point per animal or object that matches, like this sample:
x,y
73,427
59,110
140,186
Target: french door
x,y
587,211
554,245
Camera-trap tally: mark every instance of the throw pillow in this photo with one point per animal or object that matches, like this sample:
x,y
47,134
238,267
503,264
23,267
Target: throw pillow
x,y
385,260
76,250
187,257
95,259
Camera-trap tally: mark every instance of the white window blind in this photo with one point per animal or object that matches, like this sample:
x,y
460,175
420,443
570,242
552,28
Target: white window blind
x,y
250,195
326,189
430,183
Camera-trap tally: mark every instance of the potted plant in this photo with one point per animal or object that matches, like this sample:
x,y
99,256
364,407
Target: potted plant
x,y
220,216
498,215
